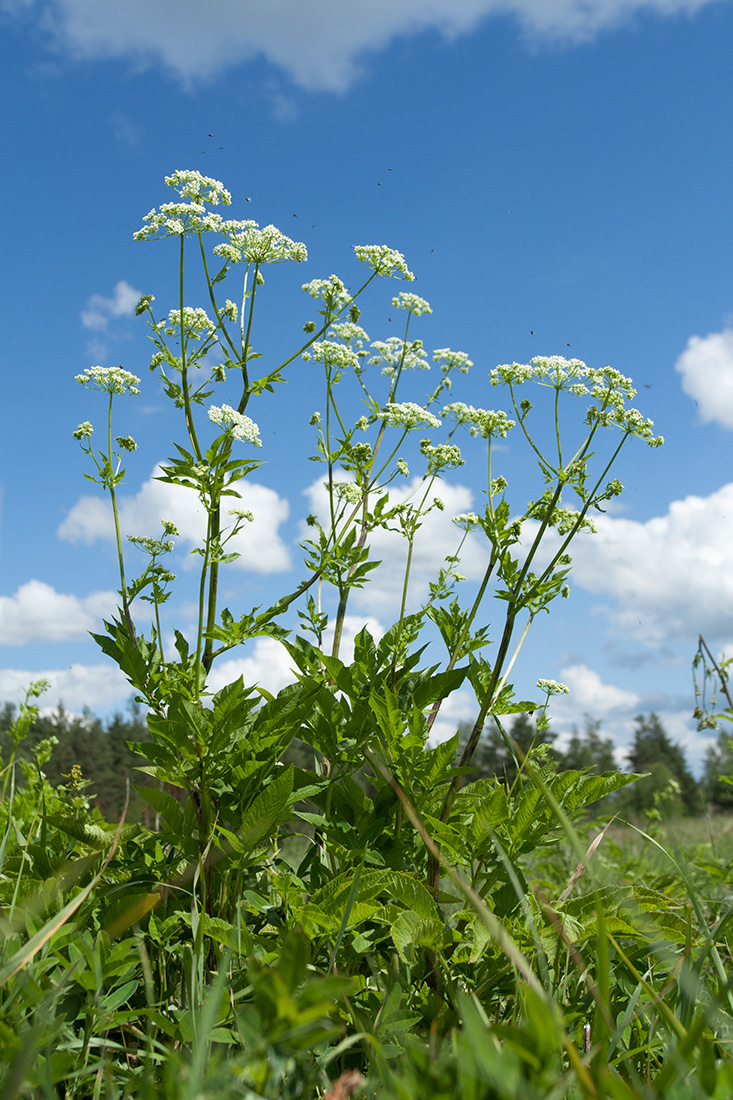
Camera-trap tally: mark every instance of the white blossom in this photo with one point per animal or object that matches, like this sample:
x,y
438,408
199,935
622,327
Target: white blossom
x,y
109,380
412,303
484,422
553,687
331,291
383,260
408,415
196,323
240,426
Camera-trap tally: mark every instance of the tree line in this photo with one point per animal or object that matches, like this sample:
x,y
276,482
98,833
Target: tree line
x,y
100,749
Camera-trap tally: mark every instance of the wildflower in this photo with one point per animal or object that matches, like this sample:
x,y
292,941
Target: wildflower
x,y
191,184
452,360
362,424
109,380
242,513
553,687
484,422
126,443
346,490
151,546
240,426
196,323
412,303
230,310
402,467
83,431
440,456
260,246
408,415
348,331
545,370
383,260
467,521
170,528
396,353
335,355
331,291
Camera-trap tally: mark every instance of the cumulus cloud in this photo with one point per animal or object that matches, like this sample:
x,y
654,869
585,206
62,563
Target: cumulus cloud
x,y
706,366
100,310
670,576
259,544
100,687
37,613
320,45
437,538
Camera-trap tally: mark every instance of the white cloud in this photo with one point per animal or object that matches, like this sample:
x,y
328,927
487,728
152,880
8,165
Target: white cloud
x,y
437,538
99,687
671,576
706,366
99,310
320,44
261,548
589,694
37,613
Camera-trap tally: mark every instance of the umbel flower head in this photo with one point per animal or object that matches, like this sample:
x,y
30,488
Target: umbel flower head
x,y
240,426
109,380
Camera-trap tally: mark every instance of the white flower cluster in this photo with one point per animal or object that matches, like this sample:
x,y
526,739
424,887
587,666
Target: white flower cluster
x,y
335,354
190,184
196,323
553,687
230,310
242,513
331,291
240,426
109,380
383,260
260,246
408,415
629,420
395,353
126,443
346,490
348,332
545,370
176,218
84,430
467,521
452,360
151,546
412,303
441,456
484,422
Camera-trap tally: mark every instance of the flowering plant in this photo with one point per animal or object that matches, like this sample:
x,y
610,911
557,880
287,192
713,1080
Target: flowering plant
x,y
363,868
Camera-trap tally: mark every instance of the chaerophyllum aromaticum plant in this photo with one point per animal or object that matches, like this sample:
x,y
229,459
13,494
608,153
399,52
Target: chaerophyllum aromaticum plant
x,y
362,883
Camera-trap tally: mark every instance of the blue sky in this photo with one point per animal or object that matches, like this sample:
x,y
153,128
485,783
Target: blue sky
x,y
557,175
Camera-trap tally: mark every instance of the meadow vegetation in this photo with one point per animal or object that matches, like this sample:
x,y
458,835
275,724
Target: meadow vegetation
x,y
310,897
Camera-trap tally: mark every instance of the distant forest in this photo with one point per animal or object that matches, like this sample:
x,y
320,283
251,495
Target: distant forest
x,y
100,750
